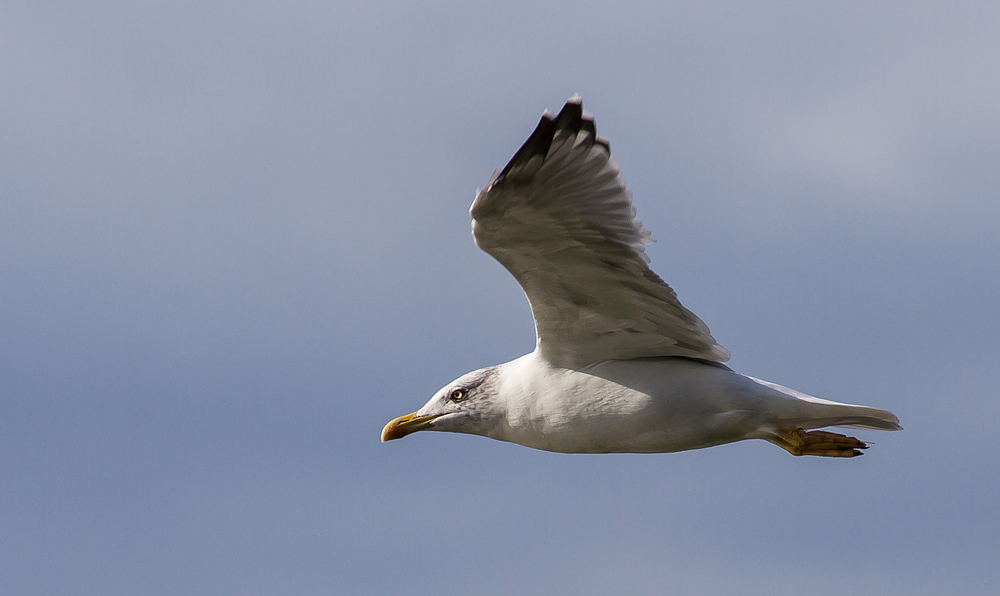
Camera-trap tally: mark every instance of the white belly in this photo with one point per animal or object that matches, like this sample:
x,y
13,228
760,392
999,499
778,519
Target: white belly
x,y
638,406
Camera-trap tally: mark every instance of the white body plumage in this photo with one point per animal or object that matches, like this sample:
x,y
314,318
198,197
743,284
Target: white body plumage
x,y
648,405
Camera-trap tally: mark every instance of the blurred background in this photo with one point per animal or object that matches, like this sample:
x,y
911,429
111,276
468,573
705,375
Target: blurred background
x,y
234,242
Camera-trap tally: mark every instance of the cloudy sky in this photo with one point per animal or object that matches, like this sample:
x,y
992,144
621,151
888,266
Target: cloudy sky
x,y
234,242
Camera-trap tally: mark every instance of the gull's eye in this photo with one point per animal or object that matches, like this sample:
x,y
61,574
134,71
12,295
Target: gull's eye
x,y
457,395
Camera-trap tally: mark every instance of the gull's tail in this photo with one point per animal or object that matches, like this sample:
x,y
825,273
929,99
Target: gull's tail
x,y
808,412
795,415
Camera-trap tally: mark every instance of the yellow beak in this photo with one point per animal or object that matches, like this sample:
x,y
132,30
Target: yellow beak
x,y
404,425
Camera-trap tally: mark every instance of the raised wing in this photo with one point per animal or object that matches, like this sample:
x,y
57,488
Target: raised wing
x,y
560,219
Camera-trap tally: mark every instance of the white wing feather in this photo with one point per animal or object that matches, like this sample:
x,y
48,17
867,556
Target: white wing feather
x,y
561,220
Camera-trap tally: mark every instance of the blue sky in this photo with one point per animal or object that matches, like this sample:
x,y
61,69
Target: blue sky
x,y
234,242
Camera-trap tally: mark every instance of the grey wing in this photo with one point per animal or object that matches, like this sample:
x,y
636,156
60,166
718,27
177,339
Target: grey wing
x,y
561,220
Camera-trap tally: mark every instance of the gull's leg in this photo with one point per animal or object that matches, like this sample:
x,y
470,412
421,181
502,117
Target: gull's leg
x,y
817,442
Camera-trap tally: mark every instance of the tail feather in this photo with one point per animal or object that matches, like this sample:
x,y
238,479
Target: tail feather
x,y
882,420
808,412
871,419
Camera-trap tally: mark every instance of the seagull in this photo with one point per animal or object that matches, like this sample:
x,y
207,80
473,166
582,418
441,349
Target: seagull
x,y
619,365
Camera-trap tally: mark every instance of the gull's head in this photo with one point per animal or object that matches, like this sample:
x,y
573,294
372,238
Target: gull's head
x,y
468,404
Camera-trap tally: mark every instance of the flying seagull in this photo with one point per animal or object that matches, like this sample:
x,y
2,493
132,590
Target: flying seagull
x,y
619,365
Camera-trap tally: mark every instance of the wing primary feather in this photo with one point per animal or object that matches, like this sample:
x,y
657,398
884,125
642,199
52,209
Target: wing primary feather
x,y
537,145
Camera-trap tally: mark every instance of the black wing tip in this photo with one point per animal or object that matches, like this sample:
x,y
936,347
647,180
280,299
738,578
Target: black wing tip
x,y
538,143
571,117
576,119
